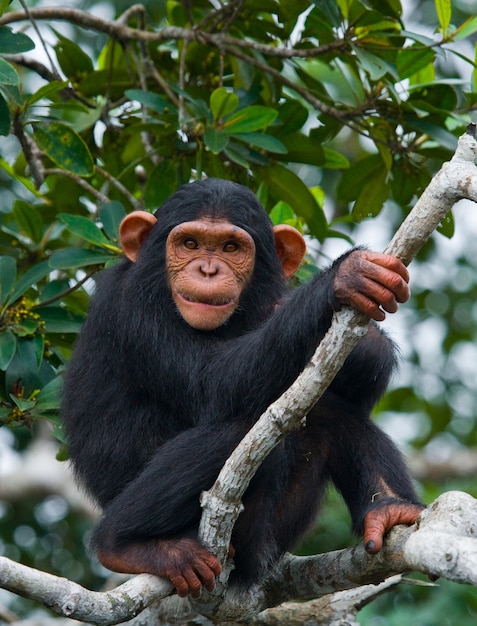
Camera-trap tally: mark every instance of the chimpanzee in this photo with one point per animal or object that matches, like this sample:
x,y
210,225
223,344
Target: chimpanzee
x,y
188,340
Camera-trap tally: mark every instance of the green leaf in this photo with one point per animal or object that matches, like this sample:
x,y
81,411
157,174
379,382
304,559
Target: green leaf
x,y
444,13
24,367
23,405
59,320
216,140
303,149
8,272
150,100
222,102
65,147
353,179
4,117
70,258
425,76
474,73
335,160
363,32
14,43
344,6
162,182
4,5
282,213
110,83
372,64
46,91
372,196
250,119
23,180
74,62
285,185
238,154
411,60
289,10
8,345
49,398
29,220
54,289
29,278
8,74
26,327
442,136
292,115
263,141
86,229
466,29
111,215
447,226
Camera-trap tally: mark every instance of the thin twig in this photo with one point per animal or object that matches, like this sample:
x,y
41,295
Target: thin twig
x,y
56,171
137,204
31,18
118,30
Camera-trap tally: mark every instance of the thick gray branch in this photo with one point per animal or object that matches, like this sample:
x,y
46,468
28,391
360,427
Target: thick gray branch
x,y
443,543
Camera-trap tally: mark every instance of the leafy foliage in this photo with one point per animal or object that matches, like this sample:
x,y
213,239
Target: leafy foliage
x,y
198,90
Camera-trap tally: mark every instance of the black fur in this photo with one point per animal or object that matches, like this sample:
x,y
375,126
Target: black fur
x,y
153,407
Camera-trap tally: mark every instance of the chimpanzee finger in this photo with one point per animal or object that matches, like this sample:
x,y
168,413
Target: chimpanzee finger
x,y
193,581
388,261
380,521
181,585
391,280
375,525
367,306
206,574
380,294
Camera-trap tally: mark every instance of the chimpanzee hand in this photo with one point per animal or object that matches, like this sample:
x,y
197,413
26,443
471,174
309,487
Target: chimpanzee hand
x,y
381,519
184,561
372,283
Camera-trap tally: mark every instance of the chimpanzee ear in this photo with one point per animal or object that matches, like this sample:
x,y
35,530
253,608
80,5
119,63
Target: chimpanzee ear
x,y
291,248
133,229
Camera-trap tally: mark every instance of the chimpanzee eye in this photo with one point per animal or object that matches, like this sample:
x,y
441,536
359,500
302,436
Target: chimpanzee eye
x,y
230,246
191,244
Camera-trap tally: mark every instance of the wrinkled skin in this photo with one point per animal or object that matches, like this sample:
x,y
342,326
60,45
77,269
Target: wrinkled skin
x,y
209,264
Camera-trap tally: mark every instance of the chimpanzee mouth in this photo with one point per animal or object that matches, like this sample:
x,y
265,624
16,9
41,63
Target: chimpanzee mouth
x,y
217,301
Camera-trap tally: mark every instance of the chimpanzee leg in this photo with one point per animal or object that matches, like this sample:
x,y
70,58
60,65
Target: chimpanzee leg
x,y
364,464
139,533
279,506
339,442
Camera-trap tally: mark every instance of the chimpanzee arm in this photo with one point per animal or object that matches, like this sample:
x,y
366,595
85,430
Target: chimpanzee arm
x,y
259,366
265,362
163,500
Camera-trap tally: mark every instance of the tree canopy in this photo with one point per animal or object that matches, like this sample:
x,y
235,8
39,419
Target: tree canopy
x,y
333,113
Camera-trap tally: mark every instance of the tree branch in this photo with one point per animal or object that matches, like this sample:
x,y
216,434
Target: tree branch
x,y
443,543
121,32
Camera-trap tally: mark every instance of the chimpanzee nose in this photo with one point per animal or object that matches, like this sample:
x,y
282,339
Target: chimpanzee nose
x,y
209,268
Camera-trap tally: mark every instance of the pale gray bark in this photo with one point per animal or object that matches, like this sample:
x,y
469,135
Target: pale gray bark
x,y
442,543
